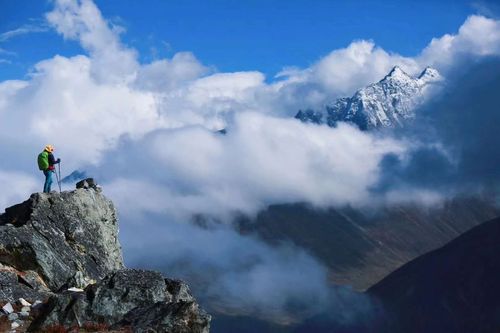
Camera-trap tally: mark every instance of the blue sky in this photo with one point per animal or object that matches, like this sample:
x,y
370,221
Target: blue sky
x,y
240,35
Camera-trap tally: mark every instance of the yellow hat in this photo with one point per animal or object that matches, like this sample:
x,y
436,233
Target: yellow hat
x,y
49,148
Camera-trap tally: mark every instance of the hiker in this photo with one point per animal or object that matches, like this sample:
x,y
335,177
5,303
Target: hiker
x,y
46,162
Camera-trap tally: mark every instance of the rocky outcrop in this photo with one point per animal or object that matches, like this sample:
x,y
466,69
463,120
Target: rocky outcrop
x,y
63,249
143,301
62,239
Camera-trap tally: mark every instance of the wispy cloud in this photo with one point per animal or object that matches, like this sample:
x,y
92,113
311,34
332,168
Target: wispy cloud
x,y
4,52
23,30
486,8
4,61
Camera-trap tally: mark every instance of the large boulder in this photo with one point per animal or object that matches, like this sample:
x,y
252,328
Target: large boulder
x,y
67,239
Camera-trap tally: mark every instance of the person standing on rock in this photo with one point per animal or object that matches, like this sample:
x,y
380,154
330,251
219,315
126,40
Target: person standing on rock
x,y
46,162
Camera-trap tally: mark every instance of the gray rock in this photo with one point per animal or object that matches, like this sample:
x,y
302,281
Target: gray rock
x,y
13,316
55,244
120,299
65,237
87,183
179,317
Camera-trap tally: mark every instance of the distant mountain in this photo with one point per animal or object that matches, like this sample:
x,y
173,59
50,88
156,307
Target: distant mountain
x,y
74,177
362,246
387,103
453,289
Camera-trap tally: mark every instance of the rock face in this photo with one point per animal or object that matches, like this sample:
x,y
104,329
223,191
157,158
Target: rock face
x,y
452,289
141,300
64,239
387,103
59,241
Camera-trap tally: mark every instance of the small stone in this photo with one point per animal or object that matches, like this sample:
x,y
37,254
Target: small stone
x,y
13,316
24,314
36,305
75,289
25,309
7,308
24,302
14,325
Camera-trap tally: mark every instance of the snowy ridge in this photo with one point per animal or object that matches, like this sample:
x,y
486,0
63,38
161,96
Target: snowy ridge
x,y
387,103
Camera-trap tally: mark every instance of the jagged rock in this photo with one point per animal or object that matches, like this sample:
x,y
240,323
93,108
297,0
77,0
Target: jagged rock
x,y
123,299
87,183
180,317
63,248
62,238
12,287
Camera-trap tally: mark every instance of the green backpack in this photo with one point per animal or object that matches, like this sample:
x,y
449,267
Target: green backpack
x,y
43,160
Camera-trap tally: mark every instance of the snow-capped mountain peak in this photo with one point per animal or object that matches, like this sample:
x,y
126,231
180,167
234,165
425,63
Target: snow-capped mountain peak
x,y
387,103
397,74
428,75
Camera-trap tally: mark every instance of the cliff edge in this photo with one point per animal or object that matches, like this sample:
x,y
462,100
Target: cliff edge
x,y
61,265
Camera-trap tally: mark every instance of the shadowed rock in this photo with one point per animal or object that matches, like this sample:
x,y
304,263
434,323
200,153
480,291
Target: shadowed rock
x,y
54,241
141,300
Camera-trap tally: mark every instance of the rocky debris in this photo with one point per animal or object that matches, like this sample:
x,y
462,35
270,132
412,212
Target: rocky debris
x,y
60,251
14,315
141,300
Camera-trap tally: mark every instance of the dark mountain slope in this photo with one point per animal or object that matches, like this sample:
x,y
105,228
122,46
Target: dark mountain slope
x,y
361,246
453,289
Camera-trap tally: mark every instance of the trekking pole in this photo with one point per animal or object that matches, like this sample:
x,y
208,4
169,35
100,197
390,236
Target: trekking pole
x,y
59,178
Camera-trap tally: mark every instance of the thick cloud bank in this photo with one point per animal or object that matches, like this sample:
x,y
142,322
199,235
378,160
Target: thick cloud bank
x,y
458,138
148,132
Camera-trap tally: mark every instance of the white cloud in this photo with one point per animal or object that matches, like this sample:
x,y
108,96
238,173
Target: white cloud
x,y
344,70
478,36
18,184
262,160
82,21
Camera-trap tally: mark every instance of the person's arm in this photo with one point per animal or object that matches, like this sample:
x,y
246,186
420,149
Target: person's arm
x,y
52,159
